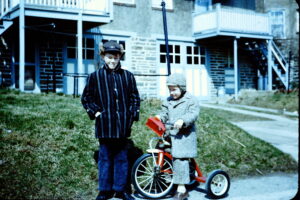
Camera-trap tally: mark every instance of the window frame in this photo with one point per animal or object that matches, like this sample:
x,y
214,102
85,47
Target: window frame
x,y
84,48
200,56
172,55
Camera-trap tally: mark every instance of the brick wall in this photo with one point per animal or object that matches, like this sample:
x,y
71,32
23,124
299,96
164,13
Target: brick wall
x,y
5,67
51,64
217,62
220,58
143,63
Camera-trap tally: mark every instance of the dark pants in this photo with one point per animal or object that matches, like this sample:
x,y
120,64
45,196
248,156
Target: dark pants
x,y
113,164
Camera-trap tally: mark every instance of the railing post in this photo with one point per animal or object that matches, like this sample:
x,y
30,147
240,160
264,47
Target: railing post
x,y
270,78
218,18
22,45
235,64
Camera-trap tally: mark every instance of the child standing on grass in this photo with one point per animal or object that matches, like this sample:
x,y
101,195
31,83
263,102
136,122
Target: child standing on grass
x,y
181,109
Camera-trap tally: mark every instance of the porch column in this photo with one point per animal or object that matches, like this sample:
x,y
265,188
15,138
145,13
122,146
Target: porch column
x,y
235,64
22,46
270,78
80,67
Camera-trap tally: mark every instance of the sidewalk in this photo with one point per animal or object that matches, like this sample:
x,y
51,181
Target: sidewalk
x,y
282,132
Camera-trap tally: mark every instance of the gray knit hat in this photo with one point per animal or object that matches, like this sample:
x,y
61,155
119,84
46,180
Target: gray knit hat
x,y
177,80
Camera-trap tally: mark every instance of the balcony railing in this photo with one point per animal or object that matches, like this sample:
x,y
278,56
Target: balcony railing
x,y
97,7
229,20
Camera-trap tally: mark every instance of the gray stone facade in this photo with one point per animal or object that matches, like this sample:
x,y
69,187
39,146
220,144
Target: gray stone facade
x,y
144,63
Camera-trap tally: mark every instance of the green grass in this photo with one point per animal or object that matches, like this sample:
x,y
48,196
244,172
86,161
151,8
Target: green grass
x,y
269,99
47,143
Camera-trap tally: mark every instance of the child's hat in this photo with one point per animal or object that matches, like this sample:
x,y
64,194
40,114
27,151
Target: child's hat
x,y
177,80
111,47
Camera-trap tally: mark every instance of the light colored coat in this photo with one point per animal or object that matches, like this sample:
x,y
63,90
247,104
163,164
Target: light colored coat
x,y
184,141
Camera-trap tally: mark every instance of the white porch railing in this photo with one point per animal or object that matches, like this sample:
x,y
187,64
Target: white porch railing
x,y
228,19
100,7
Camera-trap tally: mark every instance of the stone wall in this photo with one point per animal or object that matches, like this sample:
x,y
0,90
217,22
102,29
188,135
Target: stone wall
x,y
144,64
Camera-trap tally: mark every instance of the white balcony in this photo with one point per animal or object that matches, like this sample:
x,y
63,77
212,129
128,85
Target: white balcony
x,y
229,21
102,9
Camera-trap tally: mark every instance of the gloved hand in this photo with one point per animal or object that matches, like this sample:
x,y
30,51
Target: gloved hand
x,y
157,117
178,124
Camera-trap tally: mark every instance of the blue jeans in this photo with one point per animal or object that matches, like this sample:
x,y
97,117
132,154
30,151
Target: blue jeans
x,y
113,165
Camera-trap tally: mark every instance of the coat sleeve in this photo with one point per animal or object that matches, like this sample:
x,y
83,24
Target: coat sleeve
x,y
134,100
192,113
88,97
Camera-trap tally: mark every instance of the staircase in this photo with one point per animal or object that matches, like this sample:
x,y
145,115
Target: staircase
x,y
259,50
4,25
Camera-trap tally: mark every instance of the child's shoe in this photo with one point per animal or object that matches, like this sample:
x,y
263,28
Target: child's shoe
x,y
181,196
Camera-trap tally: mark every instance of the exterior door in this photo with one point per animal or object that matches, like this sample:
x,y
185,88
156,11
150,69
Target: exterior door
x,y
189,60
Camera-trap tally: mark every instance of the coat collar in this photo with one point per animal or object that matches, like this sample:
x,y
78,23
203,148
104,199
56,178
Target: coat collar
x,y
183,99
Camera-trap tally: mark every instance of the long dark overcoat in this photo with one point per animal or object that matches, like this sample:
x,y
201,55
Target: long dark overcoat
x,y
184,141
114,94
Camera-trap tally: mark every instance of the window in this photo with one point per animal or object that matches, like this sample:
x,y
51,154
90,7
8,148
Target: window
x,y
124,1
195,55
277,23
174,53
88,48
157,4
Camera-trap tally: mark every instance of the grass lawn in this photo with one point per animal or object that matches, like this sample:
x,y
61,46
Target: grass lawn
x,y
47,144
269,99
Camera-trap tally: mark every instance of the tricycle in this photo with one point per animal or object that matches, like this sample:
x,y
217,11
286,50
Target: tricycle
x,y
152,173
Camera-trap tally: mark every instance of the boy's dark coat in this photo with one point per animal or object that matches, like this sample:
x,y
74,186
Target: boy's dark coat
x,y
114,94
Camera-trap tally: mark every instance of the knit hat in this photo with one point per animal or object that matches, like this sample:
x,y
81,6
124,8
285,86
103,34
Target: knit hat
x,y
177,80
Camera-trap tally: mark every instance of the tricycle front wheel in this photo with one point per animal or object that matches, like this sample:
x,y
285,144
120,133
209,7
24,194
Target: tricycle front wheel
x,y
149,181
217,184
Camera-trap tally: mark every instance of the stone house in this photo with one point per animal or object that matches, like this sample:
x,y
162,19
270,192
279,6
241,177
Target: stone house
x,y
220,46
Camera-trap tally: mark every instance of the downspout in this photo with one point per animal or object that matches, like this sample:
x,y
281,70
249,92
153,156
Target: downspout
x,y
163,4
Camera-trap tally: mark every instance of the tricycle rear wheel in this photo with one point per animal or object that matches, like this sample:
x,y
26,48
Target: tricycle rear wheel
x,y
217,184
